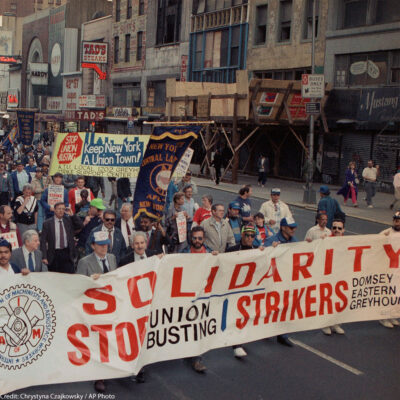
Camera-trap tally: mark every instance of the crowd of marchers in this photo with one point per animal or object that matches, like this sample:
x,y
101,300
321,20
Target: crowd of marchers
x,y
80,234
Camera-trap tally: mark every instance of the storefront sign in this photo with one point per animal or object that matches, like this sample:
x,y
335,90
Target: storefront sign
x,y
55,59
85,115
12,98
71,92
92,101
54,103
124,112
39,73
94,52
380,104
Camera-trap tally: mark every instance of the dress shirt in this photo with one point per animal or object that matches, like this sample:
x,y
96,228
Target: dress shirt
x,y
124,230
9,271
57,230
138,257
23,179
104,229
100,261
26,257
316,232
370,174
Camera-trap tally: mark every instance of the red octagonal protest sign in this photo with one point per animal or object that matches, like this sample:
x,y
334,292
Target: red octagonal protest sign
x,y
70,148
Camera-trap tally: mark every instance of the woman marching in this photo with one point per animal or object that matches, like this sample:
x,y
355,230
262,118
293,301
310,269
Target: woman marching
x,y
349,189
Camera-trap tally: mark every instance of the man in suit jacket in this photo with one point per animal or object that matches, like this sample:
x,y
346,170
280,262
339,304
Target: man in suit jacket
x,y
138,249
20,178
28,256
156,235
57,241
117,244
7,269
126,222
100,261
97,263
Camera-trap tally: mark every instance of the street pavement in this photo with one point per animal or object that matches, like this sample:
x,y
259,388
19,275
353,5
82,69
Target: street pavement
x,y
363,364
292,193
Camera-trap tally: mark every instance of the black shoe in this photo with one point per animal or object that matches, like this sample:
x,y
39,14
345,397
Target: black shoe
x,y
140,377
284,341
198,366
100,386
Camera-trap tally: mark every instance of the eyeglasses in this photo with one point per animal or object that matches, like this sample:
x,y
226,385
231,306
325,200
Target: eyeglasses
x,y
251,235
197,238
109,219
338,228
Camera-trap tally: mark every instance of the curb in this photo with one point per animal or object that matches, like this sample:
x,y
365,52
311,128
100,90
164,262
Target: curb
x,y
299,205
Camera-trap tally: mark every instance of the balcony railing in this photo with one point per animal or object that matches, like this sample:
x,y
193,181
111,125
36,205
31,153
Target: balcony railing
x,y
220,18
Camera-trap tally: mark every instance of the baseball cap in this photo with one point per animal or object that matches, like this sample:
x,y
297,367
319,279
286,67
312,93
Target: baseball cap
x,y
5,243
396,215
234,205
98,203
324,190
289,221
275,191
249,228
19,162
100,237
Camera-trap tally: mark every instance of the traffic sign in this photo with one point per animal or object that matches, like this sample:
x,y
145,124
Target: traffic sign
x,y
313,108
312,86
130,122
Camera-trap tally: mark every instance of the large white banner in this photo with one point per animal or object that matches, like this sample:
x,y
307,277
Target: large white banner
x,y
61,328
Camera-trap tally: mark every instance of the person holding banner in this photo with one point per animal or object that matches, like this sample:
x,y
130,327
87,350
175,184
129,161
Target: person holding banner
x,y
29,256
26,210
218,233
20,178
55,193
6,267
57,242
74,193
8,229
6,185
318,231
248,235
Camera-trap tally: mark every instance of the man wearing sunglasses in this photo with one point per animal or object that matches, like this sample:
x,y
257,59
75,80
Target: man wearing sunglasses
x,y
246,243
337,230
117,244
285,235
197,246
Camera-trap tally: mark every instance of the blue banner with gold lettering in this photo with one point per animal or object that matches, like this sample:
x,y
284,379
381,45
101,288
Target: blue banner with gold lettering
x,y
164,150
26,126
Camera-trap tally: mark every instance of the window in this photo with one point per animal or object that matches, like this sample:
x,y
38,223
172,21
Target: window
x,y
117,10
168,21
387,11
341,67
307,33
116,50
260,34
129,9
139,48
235,42
285,20
199,51
141,7
127,48
395,68
355,13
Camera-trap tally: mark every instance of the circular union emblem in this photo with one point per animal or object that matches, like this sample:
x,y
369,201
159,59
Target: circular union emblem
x,y
159,178
27,325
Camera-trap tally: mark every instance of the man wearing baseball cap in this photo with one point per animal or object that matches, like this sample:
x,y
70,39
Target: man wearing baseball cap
x,y
20,178
274,210
285,235
235,220
329,206
97,263
248,234
394,233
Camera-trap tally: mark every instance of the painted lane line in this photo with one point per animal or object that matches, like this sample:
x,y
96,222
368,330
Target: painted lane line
x,y
326,357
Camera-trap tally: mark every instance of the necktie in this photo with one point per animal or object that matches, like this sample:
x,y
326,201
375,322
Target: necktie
x,y
128,231
142,257
30,263
105,269
62,240
111,239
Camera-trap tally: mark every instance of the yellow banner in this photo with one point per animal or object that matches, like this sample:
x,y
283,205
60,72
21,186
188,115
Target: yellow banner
x,y
98,154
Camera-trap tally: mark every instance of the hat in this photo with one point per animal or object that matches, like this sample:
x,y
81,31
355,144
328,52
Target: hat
x,y
58,174
38,169
324,189
249,228
98,203
289,221
100,237
396,215
234,205
5,243
19,162
275,191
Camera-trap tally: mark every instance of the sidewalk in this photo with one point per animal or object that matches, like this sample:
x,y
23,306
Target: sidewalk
x,y
292,194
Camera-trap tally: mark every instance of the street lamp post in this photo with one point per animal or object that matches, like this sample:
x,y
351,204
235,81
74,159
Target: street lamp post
x,y
309,192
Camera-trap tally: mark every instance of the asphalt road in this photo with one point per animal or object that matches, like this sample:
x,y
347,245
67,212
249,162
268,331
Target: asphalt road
x,y
363,364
